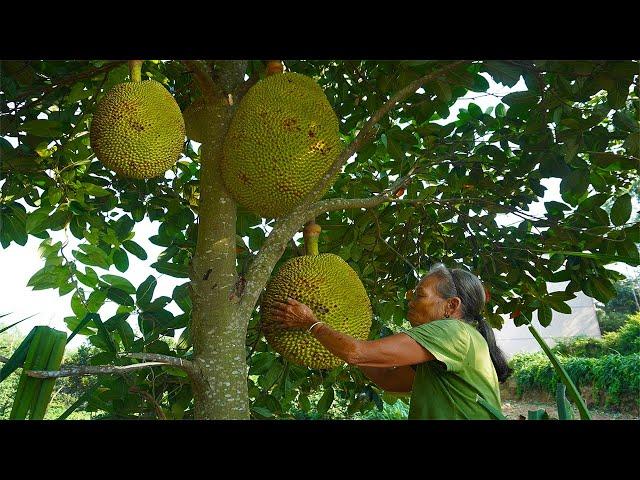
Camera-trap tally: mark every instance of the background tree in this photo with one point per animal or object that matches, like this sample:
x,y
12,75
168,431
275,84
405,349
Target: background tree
x,y
412,190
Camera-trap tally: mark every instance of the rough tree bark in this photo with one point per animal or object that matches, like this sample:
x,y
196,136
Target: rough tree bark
x,y
218,332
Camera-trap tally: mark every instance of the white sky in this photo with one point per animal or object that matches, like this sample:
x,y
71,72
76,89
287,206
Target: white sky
x,y
19,263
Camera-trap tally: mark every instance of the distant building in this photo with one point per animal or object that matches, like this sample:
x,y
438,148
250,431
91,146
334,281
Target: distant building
x,y
582,321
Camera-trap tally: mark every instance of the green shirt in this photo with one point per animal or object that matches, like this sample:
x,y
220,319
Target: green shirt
x,y
447,390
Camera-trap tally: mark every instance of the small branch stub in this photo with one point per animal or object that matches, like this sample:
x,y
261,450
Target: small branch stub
x,y
135,70
311,233
273,67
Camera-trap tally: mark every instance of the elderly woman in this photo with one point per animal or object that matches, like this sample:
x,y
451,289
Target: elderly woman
x,y
447,360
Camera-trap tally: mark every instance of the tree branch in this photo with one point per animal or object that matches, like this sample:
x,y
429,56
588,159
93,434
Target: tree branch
x,y
366,133
91,370
182,363
200,70
156,360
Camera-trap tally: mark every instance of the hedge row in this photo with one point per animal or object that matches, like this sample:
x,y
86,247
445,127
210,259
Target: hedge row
x,y
624,341
617,376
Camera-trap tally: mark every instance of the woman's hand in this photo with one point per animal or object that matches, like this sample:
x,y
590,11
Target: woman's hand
x,y
291,314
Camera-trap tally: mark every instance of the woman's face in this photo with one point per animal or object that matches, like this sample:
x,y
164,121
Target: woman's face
x,y
425,304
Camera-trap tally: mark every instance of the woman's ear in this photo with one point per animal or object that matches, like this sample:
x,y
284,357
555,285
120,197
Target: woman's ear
x,y
454,303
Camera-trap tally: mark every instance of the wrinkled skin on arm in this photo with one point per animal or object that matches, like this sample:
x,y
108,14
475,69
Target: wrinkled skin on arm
x,y
385,361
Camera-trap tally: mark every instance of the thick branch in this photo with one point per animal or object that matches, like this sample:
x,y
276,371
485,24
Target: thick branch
x,y
200,70
367,132
156,360
91,370
185,365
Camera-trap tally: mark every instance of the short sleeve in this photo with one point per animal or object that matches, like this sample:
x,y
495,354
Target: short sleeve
x,y
447,340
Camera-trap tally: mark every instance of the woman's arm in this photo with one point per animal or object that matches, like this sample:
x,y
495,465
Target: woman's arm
x,y
398,379
394,351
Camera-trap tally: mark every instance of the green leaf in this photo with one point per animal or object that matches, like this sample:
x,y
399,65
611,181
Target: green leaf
x,y
119,282
79,326
42,128
37,219
95,256
500,110
442,90
474,110
17,358
495,413
96,300
525,98
574,186
562,374
51,276
89,278
4,329
54,194
621,210
95,190
144,293
172,269
104,334
181,296
121,260
325,401
540,414
76,305
544,316
135,249
119,296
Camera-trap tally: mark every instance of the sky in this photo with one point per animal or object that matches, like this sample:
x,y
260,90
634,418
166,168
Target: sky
x,y
19,263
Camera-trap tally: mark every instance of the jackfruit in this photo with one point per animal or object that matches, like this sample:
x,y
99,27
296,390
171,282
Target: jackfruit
x,y
138,130
281,141
333,290
197,119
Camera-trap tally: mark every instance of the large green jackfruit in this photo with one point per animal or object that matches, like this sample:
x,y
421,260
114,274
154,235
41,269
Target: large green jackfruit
x,y
333,290
281,141
138,130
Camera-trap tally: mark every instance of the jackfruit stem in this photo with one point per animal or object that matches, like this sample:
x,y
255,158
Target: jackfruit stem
x,y
135,70
273,67
310,234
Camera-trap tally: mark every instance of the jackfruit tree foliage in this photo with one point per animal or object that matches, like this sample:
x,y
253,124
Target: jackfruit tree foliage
x,y
575,122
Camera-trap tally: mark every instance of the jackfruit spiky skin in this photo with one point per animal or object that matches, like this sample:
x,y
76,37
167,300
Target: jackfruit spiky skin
x,y
197,119
281,141
333,290
138,130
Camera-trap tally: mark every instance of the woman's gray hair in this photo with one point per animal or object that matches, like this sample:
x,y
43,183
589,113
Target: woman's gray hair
x,y
463,284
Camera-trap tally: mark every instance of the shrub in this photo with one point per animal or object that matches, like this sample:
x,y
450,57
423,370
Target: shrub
x,y
625,341
614,375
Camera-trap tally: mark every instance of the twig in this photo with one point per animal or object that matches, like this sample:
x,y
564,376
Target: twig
x,y
150,398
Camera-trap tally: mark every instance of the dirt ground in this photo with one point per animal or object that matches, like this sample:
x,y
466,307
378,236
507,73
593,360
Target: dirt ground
x,y
513,408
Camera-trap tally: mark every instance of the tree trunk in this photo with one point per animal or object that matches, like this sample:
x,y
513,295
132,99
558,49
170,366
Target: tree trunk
x,y
217,328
